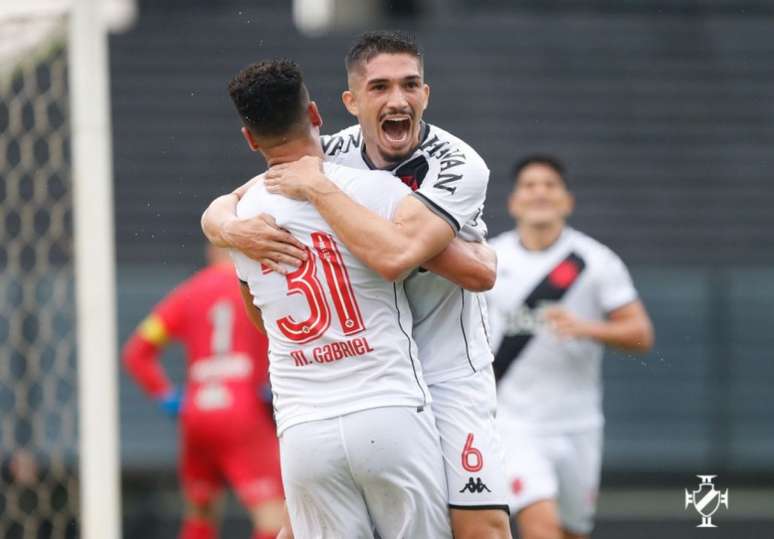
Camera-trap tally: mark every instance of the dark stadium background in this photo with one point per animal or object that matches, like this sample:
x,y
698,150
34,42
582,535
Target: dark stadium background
x,y
662,111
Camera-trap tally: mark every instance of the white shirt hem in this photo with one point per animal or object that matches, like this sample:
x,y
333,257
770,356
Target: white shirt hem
x,y
285,423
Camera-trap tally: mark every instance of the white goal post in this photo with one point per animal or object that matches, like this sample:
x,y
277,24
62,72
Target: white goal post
x,y
99,468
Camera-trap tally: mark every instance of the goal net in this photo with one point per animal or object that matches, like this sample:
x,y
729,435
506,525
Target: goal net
x,y
58,465
38,397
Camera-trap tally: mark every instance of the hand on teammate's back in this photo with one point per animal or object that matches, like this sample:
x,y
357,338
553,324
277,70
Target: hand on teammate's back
x,y
261,239
296,180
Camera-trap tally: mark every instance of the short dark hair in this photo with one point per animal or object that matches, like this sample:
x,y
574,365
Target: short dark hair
x,y
370,44
540,159
270,96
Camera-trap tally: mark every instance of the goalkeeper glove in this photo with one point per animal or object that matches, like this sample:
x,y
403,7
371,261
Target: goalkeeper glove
x,y
171,403
265,394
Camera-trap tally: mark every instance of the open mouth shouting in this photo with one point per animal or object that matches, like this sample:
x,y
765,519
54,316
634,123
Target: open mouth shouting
x,y
396,131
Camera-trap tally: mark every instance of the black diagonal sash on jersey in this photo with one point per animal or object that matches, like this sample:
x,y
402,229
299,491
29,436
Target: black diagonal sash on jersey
x,y
552,288
413,172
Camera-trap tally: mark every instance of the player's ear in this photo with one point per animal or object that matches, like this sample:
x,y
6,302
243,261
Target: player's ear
x,y
348,98
314,114
426,90
250,139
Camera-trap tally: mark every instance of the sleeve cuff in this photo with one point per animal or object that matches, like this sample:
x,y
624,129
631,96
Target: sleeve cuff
x,y
621,301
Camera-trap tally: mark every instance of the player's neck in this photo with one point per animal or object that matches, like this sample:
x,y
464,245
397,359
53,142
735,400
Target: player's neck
x,y
293,150
221,264
539,238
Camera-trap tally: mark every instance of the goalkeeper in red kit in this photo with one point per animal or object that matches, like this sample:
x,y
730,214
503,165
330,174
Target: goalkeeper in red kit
x,y
227,433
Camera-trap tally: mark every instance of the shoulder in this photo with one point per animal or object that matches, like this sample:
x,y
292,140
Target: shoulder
x,y
208,274
456,172
346,174
591,248
188,287
360,183
581,240
255,190
441,145
214,280
342,142
258,200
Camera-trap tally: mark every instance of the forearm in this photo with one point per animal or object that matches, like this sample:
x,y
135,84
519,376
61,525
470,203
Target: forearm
x,y
473,266
140,358
627,335
385,246
216,217
222,211
257,320
253,312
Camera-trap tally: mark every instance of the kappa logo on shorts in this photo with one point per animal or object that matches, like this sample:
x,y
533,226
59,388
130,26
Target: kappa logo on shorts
x,y
475,486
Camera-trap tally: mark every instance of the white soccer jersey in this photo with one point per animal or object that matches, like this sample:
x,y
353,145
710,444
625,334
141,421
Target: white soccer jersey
x,y
450,178
339,334
546,382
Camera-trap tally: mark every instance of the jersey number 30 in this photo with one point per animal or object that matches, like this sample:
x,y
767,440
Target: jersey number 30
x,y
305,281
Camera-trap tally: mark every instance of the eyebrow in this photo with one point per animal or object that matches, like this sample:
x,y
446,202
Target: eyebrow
x,y
404,79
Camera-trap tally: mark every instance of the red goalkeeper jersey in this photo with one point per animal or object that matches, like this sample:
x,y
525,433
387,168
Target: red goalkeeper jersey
x,y
227,367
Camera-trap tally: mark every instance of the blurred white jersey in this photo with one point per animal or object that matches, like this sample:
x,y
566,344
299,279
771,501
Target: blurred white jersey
x,y
450,178
545,382
339,334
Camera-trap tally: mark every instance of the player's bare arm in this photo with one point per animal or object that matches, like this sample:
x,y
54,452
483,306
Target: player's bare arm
x,y
627,328
391,248
219,213
286,532
471,265
258,237
253,312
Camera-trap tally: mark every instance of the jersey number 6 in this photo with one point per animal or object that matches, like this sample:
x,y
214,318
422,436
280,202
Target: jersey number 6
x,y
304,281
472,459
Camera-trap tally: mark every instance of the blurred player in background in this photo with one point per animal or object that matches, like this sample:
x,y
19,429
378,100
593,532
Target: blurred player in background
x,y
359,446
559,299
227,433
388,95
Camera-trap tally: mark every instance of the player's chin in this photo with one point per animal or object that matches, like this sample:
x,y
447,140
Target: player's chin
x,y
542,218
396,146
393,151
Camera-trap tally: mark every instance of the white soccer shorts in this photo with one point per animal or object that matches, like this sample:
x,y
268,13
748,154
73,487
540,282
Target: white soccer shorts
x,y
564,467
473,453
375,470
